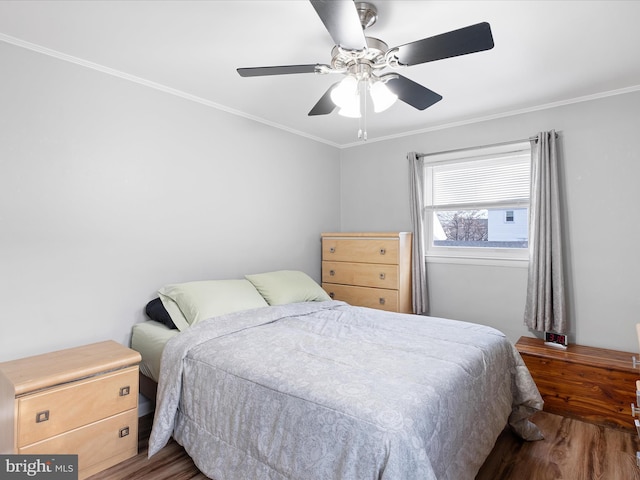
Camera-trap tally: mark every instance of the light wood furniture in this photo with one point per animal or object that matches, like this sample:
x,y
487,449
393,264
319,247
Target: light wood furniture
x,y
368,269
77,401
592,384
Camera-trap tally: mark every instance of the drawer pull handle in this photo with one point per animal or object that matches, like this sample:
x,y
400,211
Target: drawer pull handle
x,y
124,391
638,396
381,301
637,424
635,362
383,251
123,432
332,272
42,416
332,250
382,275
638,459
634,410
331,294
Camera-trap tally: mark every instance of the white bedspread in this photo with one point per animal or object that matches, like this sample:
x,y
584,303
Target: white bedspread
x,y
328,391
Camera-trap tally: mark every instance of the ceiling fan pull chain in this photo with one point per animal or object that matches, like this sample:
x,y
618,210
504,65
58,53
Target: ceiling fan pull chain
x,y
365,86
362,132
362,114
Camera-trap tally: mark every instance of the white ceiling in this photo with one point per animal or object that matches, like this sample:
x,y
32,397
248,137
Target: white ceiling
x,y
546,52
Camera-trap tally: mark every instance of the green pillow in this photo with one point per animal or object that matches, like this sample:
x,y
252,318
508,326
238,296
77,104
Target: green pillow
x,y
188,303
287,286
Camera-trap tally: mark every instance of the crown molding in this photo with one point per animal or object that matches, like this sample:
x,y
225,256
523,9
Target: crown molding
x,y
193,98
151,84
510,113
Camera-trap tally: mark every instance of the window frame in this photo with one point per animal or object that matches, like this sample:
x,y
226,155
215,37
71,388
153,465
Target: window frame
x,y
466,254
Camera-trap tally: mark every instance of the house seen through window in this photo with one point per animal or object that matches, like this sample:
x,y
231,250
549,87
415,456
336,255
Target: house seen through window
x,y
477,202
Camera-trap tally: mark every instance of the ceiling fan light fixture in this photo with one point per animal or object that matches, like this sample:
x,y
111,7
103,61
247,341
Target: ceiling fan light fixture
x,y
343,94
351,108
381,96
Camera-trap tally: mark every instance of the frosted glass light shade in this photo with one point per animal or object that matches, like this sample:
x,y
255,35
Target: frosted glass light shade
x,y
351,108
381,96
345,91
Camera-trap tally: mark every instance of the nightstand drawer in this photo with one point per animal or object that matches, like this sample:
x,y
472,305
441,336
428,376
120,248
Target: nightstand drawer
x,y
60,409
96,443
379,298
361,274
365,250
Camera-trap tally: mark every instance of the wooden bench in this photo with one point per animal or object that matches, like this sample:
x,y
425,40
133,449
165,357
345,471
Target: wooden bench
x,y
596,385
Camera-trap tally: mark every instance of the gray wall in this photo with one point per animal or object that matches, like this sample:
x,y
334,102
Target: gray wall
x,y
109,190
600,168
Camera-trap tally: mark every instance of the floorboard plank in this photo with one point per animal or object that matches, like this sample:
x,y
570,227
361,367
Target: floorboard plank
x,y
571,450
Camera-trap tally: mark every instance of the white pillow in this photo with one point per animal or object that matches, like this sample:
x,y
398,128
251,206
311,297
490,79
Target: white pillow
x,y
287,286
188,303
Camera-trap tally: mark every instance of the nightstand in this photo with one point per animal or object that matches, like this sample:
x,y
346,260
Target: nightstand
x,y
591,384
80,401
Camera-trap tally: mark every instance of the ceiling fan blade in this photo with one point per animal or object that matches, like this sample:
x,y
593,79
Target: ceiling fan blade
x,y
413,93
471,39
325,105
278,70
341,19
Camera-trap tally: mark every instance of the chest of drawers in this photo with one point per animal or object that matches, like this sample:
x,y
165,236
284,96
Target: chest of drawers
x,y
592,384
368,269
80,401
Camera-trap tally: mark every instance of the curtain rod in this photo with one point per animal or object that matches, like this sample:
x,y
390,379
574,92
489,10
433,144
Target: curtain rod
x,y
456,150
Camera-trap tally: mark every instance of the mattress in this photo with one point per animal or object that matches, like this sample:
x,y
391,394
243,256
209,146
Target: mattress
x,y
149,338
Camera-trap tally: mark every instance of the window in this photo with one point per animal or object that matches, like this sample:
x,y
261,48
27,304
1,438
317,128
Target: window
x,y
477,202
508,216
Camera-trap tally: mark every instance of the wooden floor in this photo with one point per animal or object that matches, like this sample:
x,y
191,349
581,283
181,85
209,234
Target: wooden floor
x,y
571,450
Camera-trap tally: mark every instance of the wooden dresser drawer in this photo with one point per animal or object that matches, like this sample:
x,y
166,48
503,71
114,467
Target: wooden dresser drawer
x,y
365,250
379,298
96,443
60,409
361,274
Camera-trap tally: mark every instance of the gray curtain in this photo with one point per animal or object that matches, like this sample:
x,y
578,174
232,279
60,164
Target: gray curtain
x,y
418,268
545,309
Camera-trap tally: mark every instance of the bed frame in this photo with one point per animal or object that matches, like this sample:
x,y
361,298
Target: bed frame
x,y
148,388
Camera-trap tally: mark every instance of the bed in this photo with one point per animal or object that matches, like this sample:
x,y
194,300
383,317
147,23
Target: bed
x,y
304,387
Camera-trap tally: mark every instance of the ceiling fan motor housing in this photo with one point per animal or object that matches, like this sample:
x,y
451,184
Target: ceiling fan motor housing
x,y
374,55
368,14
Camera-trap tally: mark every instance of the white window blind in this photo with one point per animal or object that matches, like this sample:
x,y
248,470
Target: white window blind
x,y
494,180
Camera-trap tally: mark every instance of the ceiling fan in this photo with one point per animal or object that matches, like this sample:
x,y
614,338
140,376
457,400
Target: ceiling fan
x,y
362,59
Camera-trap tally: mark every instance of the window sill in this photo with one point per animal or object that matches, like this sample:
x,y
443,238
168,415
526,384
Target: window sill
x,y
475,260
